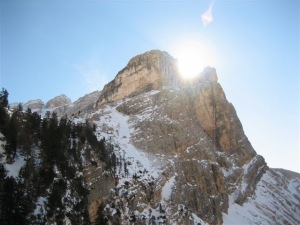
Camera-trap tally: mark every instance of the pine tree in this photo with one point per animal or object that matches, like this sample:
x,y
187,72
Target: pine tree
x,y
3,173
4,117
12,135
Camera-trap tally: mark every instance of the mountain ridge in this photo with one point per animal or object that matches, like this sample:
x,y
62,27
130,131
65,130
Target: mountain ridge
x,y
181,153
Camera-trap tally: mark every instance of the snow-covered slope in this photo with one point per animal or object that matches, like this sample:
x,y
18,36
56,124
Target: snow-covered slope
x,y
114,127
276,201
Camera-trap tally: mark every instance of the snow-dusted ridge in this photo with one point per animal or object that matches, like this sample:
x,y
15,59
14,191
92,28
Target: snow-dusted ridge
x,y
273,196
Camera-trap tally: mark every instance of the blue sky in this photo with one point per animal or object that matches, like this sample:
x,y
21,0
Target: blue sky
x,y
74,47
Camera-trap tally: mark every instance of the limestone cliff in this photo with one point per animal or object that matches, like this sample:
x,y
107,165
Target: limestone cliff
x,y
145,72
192,136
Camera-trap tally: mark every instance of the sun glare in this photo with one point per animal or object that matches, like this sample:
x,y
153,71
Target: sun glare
x,y
192,58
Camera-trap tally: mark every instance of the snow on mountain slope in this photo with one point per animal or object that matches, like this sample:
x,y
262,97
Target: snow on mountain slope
x,y
114,126
277,195
141,126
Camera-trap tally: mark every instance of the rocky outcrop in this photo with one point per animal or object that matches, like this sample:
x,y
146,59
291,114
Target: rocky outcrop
x,y
190,130
59,105
151,70
84,104
58,101
34,105
185,123
145,72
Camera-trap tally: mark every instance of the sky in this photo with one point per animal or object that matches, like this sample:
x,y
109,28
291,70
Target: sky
x,y
74,47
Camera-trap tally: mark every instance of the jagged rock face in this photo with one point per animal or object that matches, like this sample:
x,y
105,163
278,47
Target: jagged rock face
x,y
170,123
219,120
191,131
145,72
84,104
34,105
58,101
59,104
148,71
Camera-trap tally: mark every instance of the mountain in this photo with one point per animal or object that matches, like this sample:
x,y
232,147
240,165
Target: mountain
x,y
173,151
58,104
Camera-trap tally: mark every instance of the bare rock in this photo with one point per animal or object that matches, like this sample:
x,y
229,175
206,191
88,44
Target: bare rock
x,y
58,101
34,105
59,105
84,104
145,72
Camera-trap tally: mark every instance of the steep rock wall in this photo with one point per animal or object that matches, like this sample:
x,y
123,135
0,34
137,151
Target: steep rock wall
x,y
193,131
145,72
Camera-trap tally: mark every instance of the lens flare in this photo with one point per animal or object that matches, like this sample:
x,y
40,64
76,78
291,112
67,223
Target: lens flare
x,y
207,17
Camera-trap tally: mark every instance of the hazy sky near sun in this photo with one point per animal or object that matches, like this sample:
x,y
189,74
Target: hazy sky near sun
x,y
74,47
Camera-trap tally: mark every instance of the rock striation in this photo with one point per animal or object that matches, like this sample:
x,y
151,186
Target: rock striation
x,y
144,72
151,70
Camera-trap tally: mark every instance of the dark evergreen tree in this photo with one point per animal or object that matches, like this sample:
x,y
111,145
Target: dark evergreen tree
x,y
4,98
4,117
3,173
12,134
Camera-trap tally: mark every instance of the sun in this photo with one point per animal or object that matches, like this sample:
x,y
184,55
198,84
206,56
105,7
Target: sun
x,y
192,57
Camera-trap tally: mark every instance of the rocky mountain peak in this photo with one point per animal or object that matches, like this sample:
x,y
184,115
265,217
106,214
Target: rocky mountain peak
x,y
151,70
34,105
150,57
144,72
209,74
190,123
58,101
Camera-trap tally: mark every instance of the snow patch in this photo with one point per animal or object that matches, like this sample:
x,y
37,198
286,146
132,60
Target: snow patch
x,y
167,189
115,128
14,169
197,220
40,206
